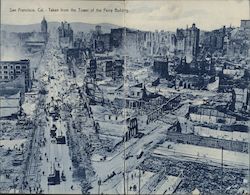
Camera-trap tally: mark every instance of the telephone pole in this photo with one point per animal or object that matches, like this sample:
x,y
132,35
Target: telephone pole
x,y
99,185
139,180
127,182
124,166
221,170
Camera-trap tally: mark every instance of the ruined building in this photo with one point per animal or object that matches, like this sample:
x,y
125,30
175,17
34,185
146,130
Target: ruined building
x,y
245,24
188,41
214,40
122,38
241,99
91,69
114,69
13,70
65,34
160,67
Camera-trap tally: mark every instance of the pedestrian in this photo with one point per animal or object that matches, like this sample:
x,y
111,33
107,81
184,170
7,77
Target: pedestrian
x,y
43,172
71,187
70,168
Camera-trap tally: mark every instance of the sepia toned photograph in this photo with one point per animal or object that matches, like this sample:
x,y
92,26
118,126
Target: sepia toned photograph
x,y
125,97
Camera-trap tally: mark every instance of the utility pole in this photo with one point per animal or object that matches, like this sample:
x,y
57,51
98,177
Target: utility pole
x,y
99,185
127,182
222,170
14,186
139,180
124,169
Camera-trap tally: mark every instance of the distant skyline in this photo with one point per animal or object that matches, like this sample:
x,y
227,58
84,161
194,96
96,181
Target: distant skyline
x,y
144,15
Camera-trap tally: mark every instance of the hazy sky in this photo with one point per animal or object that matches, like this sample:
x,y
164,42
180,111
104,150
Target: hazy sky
x,y
145,15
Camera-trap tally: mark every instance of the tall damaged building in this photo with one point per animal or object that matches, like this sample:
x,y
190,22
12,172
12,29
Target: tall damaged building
x,y
65,34
188,41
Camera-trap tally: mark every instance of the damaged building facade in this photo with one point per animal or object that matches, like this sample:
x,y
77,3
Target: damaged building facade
x,y
188,40
65,34
11,70
160,67
114,69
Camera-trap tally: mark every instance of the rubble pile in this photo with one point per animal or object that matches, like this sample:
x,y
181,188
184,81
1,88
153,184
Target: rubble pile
x,y
197,175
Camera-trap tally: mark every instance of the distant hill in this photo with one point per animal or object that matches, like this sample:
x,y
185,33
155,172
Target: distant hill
x,y
76,26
